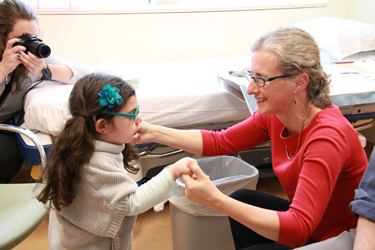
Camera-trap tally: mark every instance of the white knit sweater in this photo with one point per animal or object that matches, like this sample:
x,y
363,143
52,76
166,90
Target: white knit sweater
x,y
102,215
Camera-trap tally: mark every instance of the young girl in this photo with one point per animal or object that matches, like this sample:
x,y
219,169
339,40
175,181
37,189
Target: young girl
x,y
93,200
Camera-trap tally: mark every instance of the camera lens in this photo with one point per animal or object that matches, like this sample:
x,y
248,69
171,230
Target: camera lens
x,y
43,51
40,49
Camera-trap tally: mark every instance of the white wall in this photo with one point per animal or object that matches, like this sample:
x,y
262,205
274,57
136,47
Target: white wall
x,y
362,10
91,39
155,37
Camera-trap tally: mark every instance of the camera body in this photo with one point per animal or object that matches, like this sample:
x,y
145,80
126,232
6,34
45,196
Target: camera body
x,y
34,45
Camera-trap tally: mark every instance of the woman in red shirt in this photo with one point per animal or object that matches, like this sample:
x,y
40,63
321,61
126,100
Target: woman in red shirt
x,y
316,153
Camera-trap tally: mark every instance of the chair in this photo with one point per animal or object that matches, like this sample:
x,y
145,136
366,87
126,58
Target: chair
x,y
20,212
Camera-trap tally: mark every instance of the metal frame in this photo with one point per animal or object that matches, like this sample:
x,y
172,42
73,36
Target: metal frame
x,y
31,136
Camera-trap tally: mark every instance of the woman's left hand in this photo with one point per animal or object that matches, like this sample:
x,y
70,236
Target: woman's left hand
x,y
199,188
32,63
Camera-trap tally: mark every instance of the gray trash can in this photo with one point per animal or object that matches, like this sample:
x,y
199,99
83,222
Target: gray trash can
x,y
196,227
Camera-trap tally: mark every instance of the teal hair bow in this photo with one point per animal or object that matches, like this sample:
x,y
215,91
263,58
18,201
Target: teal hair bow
x,y
109,97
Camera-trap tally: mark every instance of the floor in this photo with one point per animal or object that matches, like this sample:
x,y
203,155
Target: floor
x,y
152,230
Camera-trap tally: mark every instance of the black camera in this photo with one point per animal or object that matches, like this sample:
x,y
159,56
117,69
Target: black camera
x,y
34,45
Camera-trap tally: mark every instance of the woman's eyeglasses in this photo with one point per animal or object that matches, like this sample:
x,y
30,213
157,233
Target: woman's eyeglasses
x,y
132,115
261,81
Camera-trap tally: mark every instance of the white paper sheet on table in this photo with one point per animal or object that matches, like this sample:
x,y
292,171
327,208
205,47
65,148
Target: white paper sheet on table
x,y
175,94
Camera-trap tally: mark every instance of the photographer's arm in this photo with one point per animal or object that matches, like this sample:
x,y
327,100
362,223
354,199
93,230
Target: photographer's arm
x,y
65,71
3,75
61,73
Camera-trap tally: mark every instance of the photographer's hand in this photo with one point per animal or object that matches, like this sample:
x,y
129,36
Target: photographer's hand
x,y
32,63
11,56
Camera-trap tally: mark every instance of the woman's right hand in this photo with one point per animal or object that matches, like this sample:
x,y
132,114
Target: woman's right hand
x,y
144,133
10,59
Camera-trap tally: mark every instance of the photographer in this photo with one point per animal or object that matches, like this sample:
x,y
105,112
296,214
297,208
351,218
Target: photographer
x,y
20,70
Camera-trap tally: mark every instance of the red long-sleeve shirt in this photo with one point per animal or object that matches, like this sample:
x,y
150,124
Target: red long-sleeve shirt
x,y
320,179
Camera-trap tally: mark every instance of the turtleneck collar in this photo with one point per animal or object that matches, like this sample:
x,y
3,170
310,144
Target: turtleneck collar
x,y
108,147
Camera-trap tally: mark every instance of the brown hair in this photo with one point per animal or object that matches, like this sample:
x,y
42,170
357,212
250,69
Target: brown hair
x,y
74,147
298,52
10,12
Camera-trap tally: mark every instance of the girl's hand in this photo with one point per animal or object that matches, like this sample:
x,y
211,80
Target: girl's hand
x,y
32,63
182,167
11,56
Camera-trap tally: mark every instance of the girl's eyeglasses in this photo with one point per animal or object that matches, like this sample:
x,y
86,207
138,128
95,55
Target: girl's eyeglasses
x,y
132,116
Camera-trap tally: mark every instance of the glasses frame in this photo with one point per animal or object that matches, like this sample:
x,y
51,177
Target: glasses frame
x,y
261,81
132,116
